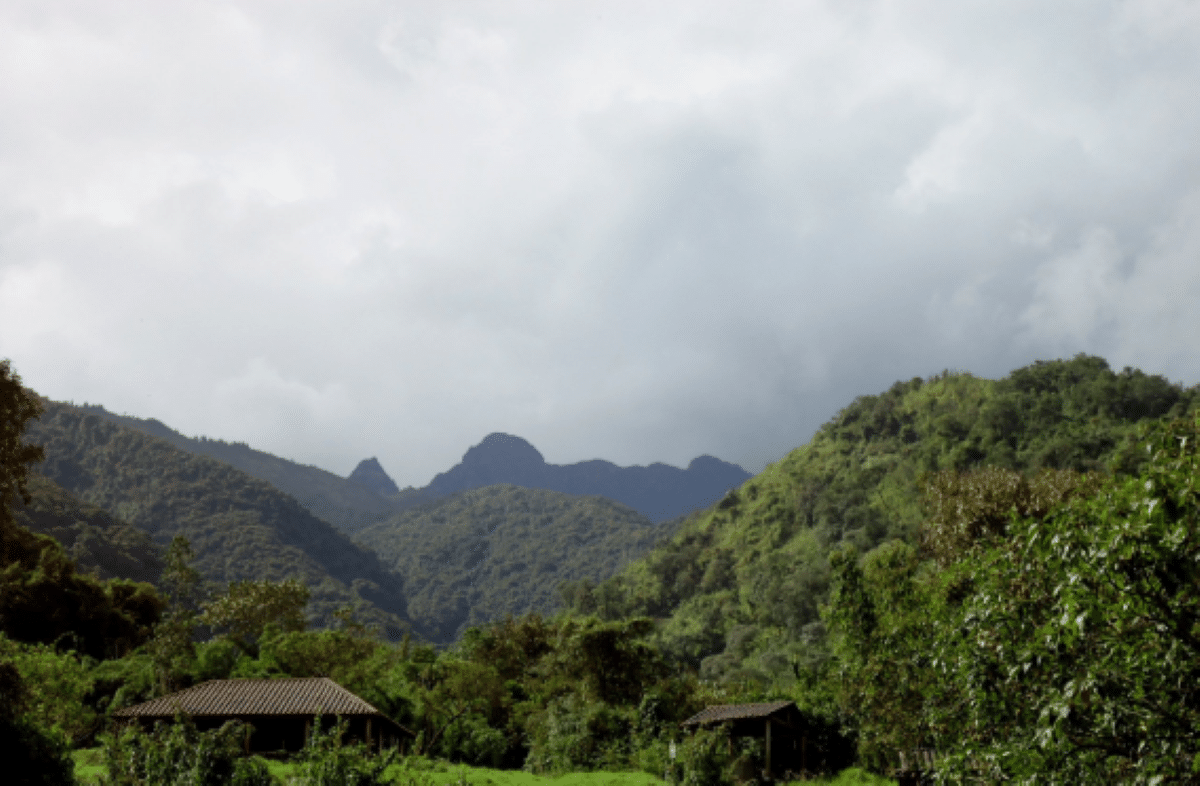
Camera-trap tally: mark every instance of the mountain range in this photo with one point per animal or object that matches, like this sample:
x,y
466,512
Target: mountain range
x,y
482,541
658,491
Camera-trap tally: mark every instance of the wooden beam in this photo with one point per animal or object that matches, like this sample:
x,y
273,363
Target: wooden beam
x,y
768,747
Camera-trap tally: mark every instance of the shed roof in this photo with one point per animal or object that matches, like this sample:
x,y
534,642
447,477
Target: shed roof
x,y
291,696
726,712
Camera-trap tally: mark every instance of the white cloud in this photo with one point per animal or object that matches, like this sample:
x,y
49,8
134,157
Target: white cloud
x,y
639,232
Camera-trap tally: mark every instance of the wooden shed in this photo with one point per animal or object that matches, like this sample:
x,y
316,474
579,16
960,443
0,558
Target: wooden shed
x,y
787,739
281,711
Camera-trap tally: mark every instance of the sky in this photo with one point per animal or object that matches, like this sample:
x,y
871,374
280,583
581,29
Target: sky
x,y
623,230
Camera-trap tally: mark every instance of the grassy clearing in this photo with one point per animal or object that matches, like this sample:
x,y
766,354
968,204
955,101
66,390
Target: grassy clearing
x,y
89,767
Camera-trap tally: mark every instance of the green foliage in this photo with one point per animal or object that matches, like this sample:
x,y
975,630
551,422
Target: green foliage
x,y
574,734
476,556
705,760
17,407
176,754
1076,656
241,528
343,503
741,584
44,599
327,761
1052,635
32,755
56,685
247,607
99,543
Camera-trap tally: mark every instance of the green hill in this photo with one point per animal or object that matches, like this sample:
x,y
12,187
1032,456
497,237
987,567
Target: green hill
x,y
239,526
479,555
346,504
99,543
741,583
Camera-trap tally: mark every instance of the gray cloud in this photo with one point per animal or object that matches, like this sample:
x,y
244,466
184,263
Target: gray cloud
x,y
623,231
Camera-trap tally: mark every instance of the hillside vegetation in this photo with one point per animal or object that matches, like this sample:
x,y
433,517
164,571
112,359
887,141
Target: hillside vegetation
x,y
98,542
240,527
742,583
479,555
348,505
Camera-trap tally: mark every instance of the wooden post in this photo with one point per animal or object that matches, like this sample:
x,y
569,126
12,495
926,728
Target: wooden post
x,y
370,741
768,747
247,743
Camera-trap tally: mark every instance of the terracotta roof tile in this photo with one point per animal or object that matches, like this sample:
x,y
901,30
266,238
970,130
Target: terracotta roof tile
x,y
293,696
724,712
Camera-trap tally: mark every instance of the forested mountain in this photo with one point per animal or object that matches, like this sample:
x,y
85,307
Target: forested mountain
x,y
659,491
346,504
99,543
479,555
239,526
742,582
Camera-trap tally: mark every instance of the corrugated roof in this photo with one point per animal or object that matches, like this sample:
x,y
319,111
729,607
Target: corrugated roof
x,y
292,696
726,712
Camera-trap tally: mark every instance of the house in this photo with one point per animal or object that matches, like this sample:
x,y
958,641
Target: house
x,y
792,743
281,711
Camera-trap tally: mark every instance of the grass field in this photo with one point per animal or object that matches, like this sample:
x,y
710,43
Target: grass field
x,y
89,768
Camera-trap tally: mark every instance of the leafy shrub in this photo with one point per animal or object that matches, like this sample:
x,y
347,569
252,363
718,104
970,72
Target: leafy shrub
x,y
178,755
325,761
471,740
704,760
574,734
55,685
29,753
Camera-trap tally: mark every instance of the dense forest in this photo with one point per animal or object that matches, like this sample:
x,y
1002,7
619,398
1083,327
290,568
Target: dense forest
x,y
742,584
1002,572
240,527
479,555
347,505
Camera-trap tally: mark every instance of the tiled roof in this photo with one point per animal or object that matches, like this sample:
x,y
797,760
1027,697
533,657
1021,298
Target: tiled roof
x,y
295,696
724,712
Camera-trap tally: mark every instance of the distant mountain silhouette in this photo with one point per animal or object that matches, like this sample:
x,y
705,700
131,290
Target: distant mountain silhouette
x,y
370,473
660,492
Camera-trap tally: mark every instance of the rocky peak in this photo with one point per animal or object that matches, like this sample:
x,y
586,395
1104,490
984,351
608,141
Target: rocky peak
x,y
370,473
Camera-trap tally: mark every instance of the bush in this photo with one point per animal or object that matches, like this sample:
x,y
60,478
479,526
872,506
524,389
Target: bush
x,y
178,755
577,735
704,760
325,761
30,754
472,741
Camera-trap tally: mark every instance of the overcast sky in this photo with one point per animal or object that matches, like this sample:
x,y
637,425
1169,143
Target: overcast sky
x,y
624,230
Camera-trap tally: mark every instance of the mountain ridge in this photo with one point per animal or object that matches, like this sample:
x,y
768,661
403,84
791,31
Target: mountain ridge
x,y
659,491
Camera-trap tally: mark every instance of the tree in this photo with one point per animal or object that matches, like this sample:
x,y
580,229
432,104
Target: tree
x,y
43,598
1075,656
173,647
32,755
249,606
17,407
